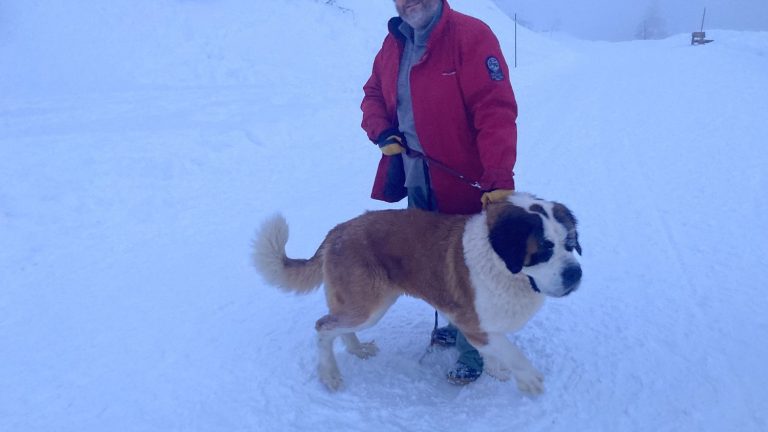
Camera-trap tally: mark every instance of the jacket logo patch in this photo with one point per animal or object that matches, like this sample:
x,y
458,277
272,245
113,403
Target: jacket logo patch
x,y
494,68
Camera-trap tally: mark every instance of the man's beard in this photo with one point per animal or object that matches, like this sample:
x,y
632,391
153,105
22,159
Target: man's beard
x,y
420,14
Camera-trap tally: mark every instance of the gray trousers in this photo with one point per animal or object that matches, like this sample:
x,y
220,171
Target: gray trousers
x,y
422,198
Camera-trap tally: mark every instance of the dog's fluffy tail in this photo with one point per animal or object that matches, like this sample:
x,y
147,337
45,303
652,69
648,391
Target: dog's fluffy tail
x,y
300,276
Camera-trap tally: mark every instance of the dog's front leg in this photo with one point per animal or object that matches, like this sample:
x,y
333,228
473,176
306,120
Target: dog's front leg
x,y
510,357
495,368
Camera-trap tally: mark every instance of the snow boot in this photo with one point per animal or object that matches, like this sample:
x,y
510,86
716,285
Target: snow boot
x,y
444,336
470,364
463,374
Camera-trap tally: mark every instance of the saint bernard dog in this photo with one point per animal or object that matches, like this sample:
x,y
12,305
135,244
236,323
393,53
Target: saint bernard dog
x,y
487,273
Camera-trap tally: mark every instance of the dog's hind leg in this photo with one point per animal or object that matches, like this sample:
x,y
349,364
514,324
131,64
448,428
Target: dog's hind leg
x,y
362,350
366,350
327,369
328,329
345,325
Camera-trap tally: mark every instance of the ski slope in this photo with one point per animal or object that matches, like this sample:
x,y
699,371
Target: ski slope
x,y
138,159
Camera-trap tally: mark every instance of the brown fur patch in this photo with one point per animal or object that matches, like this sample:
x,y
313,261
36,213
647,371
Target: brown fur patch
x,y
564,216
370,260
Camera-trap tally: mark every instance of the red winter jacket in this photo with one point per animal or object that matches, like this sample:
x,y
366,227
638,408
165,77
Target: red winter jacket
x,y
464,110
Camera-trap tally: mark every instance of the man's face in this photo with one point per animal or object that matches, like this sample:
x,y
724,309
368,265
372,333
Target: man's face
x,y
417,13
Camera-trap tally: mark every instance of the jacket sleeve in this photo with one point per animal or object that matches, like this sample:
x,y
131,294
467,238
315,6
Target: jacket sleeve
x,y
376,120
491,104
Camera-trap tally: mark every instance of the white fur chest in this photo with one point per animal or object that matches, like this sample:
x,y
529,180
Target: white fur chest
x,y
504,301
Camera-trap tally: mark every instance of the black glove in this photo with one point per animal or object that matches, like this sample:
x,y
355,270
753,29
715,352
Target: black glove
x,y
391,142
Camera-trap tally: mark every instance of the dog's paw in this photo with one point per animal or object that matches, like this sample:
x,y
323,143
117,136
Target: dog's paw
x,y
365,350
530,381
498,373
332,380
495,369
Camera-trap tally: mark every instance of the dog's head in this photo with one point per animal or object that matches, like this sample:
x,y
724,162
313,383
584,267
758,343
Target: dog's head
x,y
539,239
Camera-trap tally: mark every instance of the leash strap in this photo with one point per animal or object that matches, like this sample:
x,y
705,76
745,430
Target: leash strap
x,y
417,154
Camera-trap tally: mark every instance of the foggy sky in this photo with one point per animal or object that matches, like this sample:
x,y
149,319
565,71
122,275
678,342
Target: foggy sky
x,y
620,19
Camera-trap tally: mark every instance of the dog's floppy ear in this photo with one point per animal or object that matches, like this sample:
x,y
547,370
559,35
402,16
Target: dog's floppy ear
x,y
509,236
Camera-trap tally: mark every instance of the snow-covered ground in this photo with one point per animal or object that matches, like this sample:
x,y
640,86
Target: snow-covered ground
x,y
142,142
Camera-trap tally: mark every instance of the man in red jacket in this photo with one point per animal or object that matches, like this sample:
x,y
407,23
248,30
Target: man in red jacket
x,y
440,87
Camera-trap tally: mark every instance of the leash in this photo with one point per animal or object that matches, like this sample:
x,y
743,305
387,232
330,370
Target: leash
x,y
417,154
431,346
434,329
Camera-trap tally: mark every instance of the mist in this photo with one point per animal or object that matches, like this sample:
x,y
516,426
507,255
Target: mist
x,y
640,19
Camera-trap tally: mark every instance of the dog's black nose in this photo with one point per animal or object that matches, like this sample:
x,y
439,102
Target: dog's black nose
x,y
571,275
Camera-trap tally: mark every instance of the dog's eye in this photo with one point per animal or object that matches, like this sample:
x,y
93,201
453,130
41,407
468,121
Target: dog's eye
x,y
544,254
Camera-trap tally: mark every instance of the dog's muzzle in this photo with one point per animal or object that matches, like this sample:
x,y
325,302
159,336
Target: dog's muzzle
x,y
571,278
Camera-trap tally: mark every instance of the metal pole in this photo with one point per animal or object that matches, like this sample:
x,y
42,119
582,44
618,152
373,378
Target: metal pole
x,y
515,40
702,19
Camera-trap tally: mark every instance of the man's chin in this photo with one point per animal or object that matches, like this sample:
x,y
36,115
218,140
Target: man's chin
x,y
417,20
414,8
417,15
